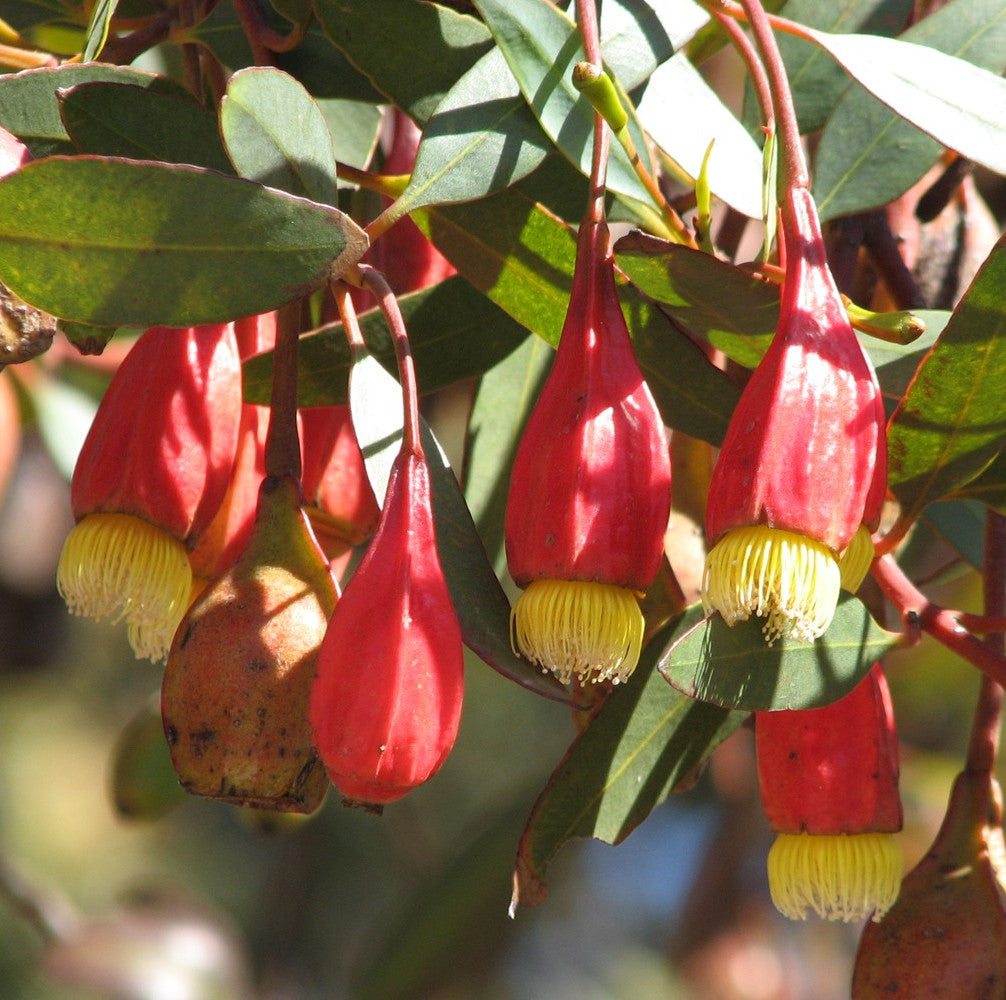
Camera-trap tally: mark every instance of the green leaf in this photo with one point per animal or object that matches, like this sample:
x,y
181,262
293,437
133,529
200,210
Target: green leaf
x,y
541,45
354,127
868,155
503,402
700,116
482,608
121,119
896,364
952,422
97,29
990,487
275,134
29,106
123,242
522,258
961,524
325,71
89,340
735,668
222,34
455,333
645,742
391,42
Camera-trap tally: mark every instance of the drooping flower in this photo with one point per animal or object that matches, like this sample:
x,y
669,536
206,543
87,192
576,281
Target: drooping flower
x,y
238,677
829,787
153,470
590,489
803,456
386,704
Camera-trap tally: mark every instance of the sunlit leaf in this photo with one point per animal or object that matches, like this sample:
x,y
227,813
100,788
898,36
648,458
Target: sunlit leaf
x,y
736,668
97,29
123,242
119,119
952,423
276,134
868,155
644,742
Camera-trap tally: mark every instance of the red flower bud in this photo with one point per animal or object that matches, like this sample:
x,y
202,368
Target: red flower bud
x,y
386,704
801,455
590,489
829,787
150,477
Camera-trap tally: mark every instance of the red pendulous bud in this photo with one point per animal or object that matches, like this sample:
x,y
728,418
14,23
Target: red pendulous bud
x,y
829,787
804,452
590,489
386,703
150,477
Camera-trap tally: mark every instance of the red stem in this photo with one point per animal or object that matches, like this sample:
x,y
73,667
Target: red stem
x,y
755,67
919,614
375,281
586,11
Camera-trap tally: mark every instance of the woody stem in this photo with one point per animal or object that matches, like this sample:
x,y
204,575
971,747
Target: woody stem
x,y
282,446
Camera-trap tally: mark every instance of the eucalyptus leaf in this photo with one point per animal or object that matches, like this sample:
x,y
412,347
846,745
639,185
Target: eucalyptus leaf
x,y
482,607
868,155
354,126
29,105
989,487
455,334
735,668
276,134
124,242
643,743
97,29
952,422
122,119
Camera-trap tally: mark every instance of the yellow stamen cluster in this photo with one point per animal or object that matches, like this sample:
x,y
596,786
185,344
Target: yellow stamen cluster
x,y
786,578
593,630
838,876
119,566
857,559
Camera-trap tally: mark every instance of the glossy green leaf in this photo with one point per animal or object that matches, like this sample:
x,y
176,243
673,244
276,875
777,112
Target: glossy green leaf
x,y
97,29
482,608
522,257
123,242
390,42
120,119
29,106
735,668
541,45
275,134
952,423
868,155
700,116
988,488
503,402
455,333
644,742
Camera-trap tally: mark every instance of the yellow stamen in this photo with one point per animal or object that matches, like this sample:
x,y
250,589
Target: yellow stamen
x,y
593,630
839,876
857,559
786,578
119,566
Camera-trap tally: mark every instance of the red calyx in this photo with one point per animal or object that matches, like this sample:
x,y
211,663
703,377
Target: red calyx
x,y
809,431
162,443
833,769
386,703
590,489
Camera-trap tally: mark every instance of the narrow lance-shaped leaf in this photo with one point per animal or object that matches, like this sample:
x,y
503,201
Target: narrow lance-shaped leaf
x,y
643,744
124,242
97,29
276,134
735,668
482,608
952,422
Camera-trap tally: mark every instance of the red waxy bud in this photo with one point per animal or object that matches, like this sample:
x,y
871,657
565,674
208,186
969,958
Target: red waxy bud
x,y
236,686
153,470
829,787
801,455
337,494
386,704
590,489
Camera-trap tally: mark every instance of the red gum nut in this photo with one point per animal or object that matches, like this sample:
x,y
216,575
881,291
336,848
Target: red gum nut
x,y
804,440
386,703
162,444
834,769
590,489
